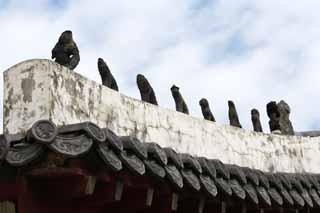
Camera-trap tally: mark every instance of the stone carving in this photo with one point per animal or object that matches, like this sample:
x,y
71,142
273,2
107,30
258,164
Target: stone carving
x,y
43,131
285,123
106,75
181,106
66,52
233,115
146,91
206,112
274,116
255,118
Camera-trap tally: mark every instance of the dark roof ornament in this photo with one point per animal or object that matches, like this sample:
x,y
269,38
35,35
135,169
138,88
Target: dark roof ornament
x,y
106,75
66,52
146,91
274,115
255,118
279,117
285,123
181,106
205,108
233,115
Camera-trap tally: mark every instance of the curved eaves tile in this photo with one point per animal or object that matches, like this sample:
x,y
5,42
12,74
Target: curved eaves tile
x,y
108,156
208,185
315,197
313,180
251,193
251,176
220,168
4,147
157,153
263,180
296,184
91,130
298,200
132,162
190,179
263,196
237,173
287,198
174,175
173,157
113,140
42,131
70,145
133,145
223,186
285,180
206,168
307,198
237,189
154,168
275,196
23,153
274,181
190,162
304,180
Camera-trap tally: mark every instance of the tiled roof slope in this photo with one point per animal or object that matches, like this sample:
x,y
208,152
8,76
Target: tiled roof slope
x,y
209,176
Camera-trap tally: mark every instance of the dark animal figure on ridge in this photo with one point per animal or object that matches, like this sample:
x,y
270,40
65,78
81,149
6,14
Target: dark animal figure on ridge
x,y
66,52
106,76
205,108
274,116
181,106
255,118
146,91
233,115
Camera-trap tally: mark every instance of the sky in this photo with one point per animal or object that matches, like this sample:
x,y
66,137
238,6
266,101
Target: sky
x,y
251,52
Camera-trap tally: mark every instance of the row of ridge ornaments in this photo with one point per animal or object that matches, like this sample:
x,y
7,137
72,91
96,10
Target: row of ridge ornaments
x,y
66,53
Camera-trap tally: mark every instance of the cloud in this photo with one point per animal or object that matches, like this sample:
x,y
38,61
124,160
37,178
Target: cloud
x,y
248,51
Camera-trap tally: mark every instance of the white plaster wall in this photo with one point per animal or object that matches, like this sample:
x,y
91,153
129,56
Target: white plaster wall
x,y
66,97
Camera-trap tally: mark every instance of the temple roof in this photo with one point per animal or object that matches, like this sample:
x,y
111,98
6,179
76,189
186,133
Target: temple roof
x,y
208,177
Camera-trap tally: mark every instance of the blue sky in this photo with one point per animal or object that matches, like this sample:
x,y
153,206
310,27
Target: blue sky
x,y
248,51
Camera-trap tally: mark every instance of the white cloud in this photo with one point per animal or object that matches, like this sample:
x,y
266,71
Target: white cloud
x,y
248,51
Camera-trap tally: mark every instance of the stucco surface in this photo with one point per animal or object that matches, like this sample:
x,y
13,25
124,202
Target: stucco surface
x,y
38,89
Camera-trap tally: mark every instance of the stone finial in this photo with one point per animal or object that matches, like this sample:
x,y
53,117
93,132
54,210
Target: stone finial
x,y
66,52
106,76
255,118
146,91
205,108
233,115
285,123
274,116
181,106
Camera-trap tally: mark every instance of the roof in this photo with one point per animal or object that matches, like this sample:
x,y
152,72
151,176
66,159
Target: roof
x,y
209,177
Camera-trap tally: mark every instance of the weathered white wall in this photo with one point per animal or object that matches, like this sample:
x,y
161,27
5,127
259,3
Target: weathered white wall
x,y
38,89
